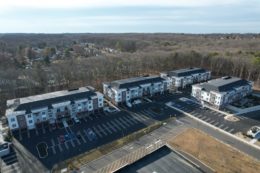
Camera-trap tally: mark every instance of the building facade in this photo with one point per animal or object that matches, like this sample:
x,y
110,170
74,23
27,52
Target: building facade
x,y
52,107
188,76
222,91
125,90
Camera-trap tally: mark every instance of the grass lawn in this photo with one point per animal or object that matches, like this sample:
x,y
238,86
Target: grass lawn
x,y
215,154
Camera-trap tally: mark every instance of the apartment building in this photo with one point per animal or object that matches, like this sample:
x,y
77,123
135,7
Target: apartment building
x,y
52,107
125,90
222,91
188,76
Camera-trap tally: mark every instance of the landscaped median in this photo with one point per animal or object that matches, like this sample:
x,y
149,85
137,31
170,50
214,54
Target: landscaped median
x,y
42,149
80,160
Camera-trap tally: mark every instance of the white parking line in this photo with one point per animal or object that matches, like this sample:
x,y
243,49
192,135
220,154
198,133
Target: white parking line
x,y
78,141
60,148
231,130
122,121
118,122
111,127
97,132
72,143
66,145
131,119
216,123
52,142
226,128
115,125
221,125
82,137
101,130
107,128
200,116
145,112
212,121
127,120
208,119
204,117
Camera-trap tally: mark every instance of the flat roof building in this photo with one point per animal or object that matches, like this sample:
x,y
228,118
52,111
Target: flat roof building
x,y
126,89
55,106
222,91
184,77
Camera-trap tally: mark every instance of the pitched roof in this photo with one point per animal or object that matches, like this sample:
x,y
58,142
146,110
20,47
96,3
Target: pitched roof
x,y
46,100
223,84
186,72
136,81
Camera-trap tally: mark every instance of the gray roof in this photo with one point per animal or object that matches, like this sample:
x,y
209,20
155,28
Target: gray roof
x,y
186,72
46,100
223,84
136,81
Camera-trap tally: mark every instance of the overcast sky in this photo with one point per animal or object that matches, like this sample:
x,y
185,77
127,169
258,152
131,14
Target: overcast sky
x,y
111,16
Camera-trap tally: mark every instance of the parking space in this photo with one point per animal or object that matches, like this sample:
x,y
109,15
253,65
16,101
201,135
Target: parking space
x,y
213,117
91,132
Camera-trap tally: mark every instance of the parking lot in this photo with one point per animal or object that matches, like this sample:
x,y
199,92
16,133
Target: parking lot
x,y
215,118
65,142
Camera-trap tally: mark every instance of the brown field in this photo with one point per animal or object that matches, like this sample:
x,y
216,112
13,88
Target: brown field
x,y
215,154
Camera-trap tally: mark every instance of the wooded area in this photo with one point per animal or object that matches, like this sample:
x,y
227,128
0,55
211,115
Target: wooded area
x,y
136,54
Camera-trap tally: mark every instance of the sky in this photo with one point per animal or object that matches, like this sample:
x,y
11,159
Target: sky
x,y
124,16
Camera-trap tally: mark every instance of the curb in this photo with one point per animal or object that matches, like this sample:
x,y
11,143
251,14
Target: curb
x,y
215,128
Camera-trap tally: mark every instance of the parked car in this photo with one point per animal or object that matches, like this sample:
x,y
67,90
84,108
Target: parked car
x,y
110,109
90,134
135,102
76,120
128,104
254,132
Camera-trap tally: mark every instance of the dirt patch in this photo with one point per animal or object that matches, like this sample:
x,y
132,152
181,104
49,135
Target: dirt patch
x,y
215,154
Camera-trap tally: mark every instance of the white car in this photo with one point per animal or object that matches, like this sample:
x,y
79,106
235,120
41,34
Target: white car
x,y
128,104
254,132
110,109
137,102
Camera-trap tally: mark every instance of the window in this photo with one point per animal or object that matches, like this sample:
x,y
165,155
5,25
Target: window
x,y
100,100
58,109
14,125
84,103
29,116
12,119
30,121
43,113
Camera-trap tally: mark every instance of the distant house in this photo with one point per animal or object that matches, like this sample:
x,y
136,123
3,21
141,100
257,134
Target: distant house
x,y
125,90
188,76
52,107
222,91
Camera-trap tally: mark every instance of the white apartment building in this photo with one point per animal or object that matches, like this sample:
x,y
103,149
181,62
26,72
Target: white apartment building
x,y
188,76
125,90
222,91
52,107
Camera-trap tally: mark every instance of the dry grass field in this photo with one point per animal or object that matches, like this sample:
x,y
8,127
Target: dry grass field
x,y
215,154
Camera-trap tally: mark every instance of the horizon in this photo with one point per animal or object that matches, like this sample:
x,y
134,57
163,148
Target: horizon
x,y
115,16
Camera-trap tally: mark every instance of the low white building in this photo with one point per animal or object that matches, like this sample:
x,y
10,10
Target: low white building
x,y
188,76
121,91
222,91
52,107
